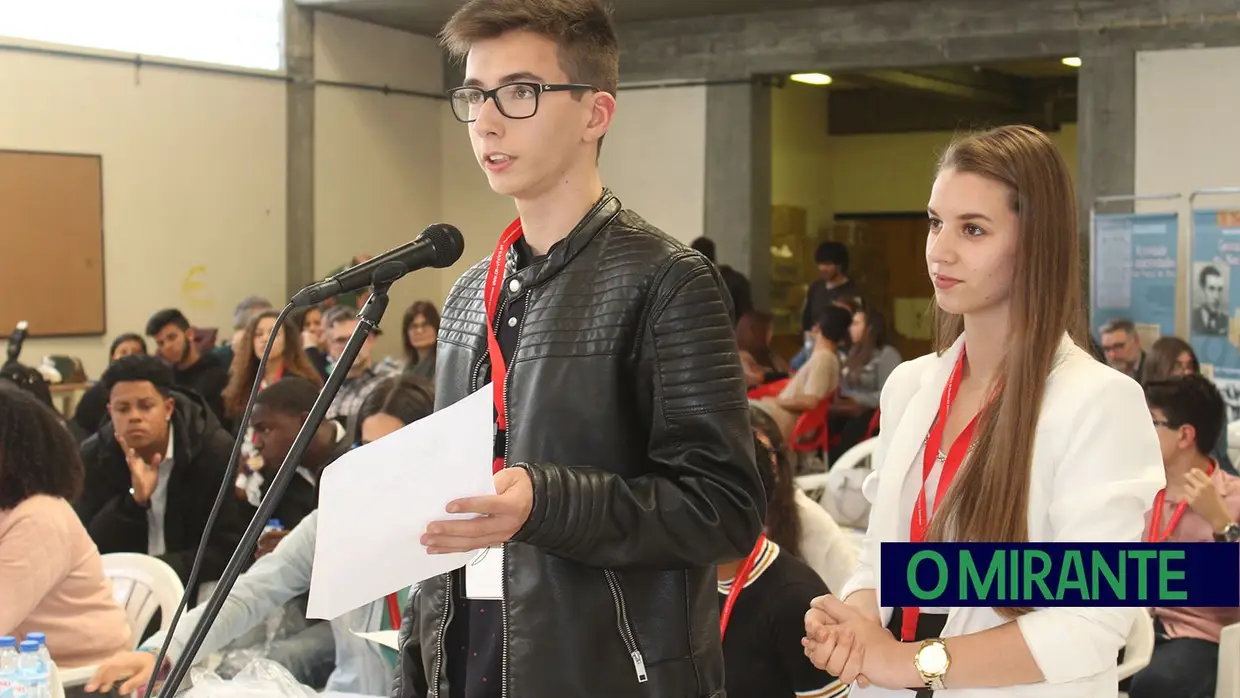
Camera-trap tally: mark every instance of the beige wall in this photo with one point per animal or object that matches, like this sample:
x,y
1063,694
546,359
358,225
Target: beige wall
x,y
377,157
194,183
827,175
654,157
1188,109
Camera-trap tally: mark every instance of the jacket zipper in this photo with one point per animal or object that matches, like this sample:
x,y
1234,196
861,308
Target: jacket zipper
x,y
626,629
448,600
443,630
503,690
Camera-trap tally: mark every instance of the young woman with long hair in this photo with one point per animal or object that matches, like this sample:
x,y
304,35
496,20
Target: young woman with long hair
x,y
868,364
419,331
1010,432
287,358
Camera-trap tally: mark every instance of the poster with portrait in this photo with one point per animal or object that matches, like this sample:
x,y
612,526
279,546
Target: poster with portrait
x,y
1214,301
1135,266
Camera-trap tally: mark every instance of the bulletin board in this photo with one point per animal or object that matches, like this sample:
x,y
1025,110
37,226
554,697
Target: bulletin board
x,y
51,243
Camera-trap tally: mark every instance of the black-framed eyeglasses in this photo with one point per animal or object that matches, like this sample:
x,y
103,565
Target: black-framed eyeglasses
x,y
515,100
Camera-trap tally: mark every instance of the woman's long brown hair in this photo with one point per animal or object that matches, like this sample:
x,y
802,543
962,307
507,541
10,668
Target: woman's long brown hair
x,y
244,369
1163,357
989,499
861,353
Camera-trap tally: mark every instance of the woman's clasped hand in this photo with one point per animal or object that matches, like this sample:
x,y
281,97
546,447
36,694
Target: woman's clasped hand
x,y
845,642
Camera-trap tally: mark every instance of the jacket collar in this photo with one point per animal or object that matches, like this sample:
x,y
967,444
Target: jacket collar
x,y
563,252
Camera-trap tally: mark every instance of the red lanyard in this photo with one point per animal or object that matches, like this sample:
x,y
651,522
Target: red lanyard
x,y
499,369
920,521
393,606
1157,534
738,583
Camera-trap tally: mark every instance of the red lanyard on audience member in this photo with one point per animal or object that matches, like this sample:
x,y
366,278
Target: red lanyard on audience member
x,y
393,607
738,583
499,369
920,521
1157,533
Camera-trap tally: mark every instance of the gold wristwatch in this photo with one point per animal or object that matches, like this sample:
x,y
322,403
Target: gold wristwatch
x,y
932,661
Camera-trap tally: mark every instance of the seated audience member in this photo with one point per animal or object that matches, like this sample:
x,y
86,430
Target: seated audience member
x,y
762,652
338,325
279,412
1200,504
797,523
51,575
754,332
736,282
205,374
153,471
870,359
817,379
362,667
286,359
310,322
1171,357
92,407
1122,347
242,314
419,331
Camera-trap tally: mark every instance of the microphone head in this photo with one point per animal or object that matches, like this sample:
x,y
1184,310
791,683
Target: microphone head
x,y
447,242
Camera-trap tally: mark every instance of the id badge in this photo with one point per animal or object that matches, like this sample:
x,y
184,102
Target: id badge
x,y
484,575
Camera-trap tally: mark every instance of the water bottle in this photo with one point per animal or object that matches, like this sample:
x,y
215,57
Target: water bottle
x,y
31,677
8,665
273,525
45,657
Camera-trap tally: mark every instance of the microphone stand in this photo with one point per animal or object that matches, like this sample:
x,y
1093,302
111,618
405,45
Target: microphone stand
x,y
369,318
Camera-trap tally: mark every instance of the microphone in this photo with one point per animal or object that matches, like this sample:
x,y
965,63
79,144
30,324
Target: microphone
x,y
17,338
438,246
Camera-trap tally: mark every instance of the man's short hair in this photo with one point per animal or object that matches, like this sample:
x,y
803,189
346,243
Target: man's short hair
x,y
247,308
338,314
165,317
1117,325
833,322
136,368
706,246
292,396
1206,272
1191,399
589,51
832,252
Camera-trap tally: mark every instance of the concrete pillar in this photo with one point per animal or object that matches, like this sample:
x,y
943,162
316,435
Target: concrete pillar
x,y
738,180
299,62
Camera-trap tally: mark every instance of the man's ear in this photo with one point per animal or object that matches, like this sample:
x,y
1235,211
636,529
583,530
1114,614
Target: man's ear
x,y
190,335
1188,436
603,109
171,405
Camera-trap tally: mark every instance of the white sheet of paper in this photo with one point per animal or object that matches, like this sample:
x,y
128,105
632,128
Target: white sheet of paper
x,y
377,500
387,638
484,575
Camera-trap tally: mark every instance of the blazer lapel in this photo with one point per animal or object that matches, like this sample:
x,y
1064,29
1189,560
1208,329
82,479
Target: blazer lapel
x,y
909,435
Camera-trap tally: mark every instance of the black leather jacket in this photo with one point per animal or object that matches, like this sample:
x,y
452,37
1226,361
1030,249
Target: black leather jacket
x,y
627,406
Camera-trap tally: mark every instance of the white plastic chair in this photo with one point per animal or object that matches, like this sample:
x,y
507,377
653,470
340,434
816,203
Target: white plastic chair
x,y
839,490
1140,645
56,688
142,585
1228,684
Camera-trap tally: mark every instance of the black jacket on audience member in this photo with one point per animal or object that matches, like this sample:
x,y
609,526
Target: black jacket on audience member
x,y
208,377
118,524
627,406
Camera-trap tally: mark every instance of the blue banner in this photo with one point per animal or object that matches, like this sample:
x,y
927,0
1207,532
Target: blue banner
x,y
1060,574
1135,264
1214,301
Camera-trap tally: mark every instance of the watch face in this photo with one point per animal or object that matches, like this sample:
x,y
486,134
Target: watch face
x,y
932,659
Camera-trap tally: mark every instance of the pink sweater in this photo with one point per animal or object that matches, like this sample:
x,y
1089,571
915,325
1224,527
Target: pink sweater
x,y
1201,623
51,581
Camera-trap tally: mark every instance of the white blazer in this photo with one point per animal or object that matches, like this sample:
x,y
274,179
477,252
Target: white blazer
x,y
1096,468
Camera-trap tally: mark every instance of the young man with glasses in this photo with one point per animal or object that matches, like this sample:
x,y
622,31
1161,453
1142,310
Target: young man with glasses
x,y
624,464
1200,504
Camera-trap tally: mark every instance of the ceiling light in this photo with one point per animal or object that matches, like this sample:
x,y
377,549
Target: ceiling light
x,y
811,78
1073,61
